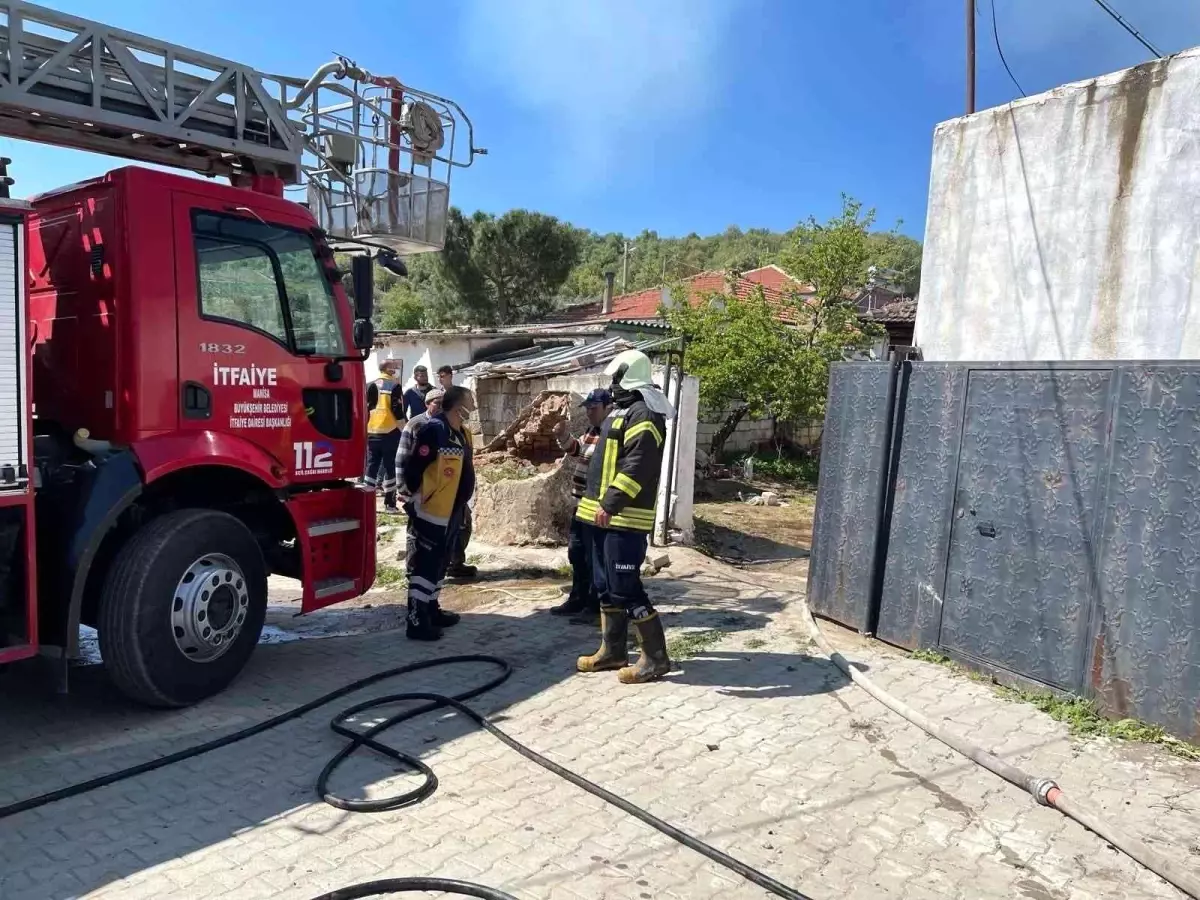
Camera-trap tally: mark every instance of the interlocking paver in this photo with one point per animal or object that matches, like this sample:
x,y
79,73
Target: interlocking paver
x,y
755,746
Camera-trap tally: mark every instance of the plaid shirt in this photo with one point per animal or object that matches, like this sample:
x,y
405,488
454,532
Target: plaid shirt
x,y
408,440
580,451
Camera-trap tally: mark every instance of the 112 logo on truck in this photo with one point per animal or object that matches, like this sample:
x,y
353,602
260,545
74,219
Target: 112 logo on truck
x,y
313,458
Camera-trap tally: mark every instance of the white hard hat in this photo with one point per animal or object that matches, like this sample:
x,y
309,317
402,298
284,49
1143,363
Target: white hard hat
x,y
637,375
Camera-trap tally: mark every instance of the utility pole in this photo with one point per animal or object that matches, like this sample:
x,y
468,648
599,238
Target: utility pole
x,y
625,265
970,56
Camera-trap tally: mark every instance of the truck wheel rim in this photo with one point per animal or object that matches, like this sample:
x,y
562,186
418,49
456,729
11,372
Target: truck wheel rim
x,y
209,608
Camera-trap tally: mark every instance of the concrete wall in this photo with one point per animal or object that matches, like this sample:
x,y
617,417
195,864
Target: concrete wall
x,y
1065,226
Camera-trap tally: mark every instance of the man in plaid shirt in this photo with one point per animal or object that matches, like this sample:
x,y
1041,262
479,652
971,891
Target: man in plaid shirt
x,y
408,437
583,603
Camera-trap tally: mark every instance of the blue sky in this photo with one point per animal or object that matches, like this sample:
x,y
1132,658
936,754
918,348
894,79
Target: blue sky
x,y
672,115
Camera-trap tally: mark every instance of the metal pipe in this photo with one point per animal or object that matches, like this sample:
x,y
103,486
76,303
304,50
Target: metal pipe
x,y
970,56
337,69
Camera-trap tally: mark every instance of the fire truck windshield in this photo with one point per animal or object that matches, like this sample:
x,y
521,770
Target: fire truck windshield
x,y
267,278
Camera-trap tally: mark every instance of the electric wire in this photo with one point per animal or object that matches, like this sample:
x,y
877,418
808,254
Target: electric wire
x,y
1104,5
1000,50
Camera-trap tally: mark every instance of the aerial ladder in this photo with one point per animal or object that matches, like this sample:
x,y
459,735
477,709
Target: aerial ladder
x,y
182,394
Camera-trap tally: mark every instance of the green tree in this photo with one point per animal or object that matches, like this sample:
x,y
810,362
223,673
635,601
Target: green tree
x,y
400,309
501,271
737,348
898,253
750,363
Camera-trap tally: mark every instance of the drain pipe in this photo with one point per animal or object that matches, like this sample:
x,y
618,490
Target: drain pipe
x,y
1044,790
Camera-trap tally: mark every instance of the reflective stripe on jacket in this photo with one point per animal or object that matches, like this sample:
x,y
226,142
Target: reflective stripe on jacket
x,y
625,468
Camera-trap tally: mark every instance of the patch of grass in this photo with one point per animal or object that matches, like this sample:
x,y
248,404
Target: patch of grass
x,y
693,643
755,643
386,576
931,656
506,471
1081,716
564,571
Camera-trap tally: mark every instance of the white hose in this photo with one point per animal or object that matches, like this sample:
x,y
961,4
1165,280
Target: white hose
x,y
1044,790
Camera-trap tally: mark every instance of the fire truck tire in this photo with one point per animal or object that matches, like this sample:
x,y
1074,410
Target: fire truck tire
x,y
157,604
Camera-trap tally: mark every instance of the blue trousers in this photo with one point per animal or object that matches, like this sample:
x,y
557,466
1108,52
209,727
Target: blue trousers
x,y
617,558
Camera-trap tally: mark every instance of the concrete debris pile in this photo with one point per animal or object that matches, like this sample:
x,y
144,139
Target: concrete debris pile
x,y
530,436
523,494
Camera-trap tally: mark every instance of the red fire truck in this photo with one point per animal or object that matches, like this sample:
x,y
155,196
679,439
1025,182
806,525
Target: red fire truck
x,y
181,370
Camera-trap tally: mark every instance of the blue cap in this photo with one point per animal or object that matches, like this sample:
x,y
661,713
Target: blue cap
x,y
599,396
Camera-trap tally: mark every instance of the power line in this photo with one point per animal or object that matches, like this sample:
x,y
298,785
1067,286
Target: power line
x,y
1000,50
1103,4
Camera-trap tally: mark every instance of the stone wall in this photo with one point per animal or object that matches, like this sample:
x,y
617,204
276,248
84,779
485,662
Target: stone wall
x,y
751,434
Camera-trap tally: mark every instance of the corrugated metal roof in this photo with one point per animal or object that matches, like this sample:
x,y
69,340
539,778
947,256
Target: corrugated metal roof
x,y
544,362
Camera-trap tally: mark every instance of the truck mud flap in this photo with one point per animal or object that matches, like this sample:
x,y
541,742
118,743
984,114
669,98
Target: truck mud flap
x,y
335,530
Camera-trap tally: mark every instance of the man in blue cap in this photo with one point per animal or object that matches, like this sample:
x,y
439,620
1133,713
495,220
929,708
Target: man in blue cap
x,y
583,603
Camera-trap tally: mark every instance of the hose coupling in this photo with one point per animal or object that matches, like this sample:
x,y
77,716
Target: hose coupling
x,y
1042,788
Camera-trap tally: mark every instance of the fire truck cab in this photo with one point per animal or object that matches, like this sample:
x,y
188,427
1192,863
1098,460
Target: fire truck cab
x,y
182,396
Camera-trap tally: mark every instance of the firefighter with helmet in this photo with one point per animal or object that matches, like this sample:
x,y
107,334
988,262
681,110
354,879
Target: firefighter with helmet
x,y
385,402
619,502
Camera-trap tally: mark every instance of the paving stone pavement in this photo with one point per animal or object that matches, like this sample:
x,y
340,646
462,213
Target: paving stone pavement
x,y
754,745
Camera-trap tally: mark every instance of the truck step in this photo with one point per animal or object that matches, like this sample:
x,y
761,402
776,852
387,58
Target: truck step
x,y
333,526
331,586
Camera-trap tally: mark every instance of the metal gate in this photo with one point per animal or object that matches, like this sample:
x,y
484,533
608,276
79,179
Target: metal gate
x,y
1037,519
1020,571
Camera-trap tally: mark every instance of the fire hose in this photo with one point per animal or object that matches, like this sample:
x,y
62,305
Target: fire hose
x,y
369,738
1044,790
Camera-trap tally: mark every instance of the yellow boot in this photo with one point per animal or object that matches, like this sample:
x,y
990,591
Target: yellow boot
x,y
653,662
613,652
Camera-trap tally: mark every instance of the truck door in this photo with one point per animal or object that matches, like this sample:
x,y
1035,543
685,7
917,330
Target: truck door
x,y
258,321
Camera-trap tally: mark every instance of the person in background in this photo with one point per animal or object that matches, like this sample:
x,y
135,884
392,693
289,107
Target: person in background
x,y
458,553
414,397
385,401
583,603
619,503
440,477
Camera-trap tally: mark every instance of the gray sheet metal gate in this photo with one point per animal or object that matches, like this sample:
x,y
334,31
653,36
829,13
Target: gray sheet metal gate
x,y
1041,520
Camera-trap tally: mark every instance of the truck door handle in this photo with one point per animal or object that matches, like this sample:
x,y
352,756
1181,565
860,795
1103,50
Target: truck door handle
x,y
987,529
197,401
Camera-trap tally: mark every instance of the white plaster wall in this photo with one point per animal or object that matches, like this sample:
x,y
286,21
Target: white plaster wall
x,y
1067,226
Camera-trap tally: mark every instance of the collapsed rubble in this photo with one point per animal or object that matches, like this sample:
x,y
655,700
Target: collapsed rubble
x,y
523,490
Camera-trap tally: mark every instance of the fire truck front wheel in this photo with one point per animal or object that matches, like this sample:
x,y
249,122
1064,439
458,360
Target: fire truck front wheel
x,y
183,608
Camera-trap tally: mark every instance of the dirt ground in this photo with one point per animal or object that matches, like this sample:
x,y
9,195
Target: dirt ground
x,y
769,538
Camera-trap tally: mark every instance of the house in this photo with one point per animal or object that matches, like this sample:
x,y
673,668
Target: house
x,y
641,309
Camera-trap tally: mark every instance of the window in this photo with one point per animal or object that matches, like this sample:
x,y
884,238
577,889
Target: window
x,y
267,278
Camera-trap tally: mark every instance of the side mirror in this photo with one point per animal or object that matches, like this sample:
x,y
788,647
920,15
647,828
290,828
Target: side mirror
x,y
364,334
362,276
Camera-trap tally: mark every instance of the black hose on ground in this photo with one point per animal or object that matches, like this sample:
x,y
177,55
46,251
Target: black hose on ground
x,y
368,739
1044,790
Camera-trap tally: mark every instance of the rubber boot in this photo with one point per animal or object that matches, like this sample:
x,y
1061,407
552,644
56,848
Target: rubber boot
x,y
613,652
653,662
421,624
569,607
443,618
589,614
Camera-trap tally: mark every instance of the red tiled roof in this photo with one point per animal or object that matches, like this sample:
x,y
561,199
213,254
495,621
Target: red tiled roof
x,y
775,284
